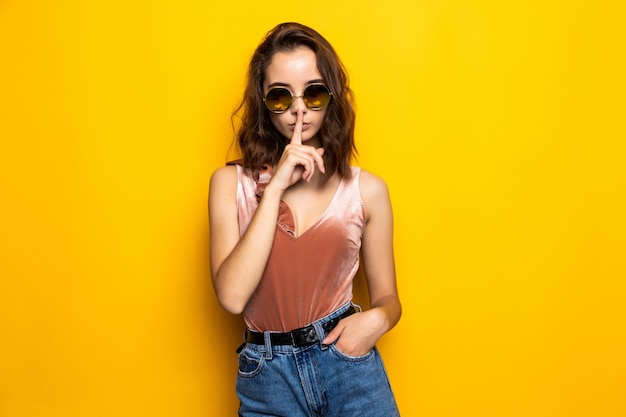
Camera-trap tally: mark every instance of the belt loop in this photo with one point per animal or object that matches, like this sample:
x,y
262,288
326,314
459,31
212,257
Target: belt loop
x,y
268,345
321,334
356,306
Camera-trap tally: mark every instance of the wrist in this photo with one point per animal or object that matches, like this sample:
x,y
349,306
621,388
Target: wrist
x,y
272,193
377,320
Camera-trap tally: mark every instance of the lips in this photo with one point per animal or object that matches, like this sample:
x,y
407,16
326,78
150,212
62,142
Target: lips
x,y
305,126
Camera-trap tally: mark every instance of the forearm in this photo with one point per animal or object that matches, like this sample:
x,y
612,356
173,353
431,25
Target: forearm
x,y
240,273
388,311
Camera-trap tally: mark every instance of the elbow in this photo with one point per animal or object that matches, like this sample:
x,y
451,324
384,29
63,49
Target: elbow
x,y
232,297
231,303
232,308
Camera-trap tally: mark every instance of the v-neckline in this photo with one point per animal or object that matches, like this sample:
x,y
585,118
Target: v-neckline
x,y
290,229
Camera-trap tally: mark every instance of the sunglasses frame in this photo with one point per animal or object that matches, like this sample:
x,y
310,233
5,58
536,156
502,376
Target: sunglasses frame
x,y
293,97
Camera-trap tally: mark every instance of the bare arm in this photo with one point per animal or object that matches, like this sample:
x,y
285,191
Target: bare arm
x,y
237,264
358,333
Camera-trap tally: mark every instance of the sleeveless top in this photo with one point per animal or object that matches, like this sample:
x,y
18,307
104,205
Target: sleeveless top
x,y
308,276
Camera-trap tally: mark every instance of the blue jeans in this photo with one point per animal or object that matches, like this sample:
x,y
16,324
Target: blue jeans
x,y
312,381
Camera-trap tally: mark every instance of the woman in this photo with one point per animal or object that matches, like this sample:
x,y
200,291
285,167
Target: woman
x,y
288,223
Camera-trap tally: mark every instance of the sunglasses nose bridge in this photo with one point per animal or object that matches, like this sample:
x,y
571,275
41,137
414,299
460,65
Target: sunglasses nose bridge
x,y
298,104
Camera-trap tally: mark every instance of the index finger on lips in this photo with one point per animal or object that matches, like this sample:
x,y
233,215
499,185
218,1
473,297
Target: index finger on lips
x,y
296,138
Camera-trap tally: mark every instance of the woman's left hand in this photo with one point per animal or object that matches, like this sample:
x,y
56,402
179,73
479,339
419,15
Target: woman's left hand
x,y
357,334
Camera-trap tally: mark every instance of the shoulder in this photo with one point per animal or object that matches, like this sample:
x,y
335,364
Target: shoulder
x,y
225,174
374,194
224,181
372,186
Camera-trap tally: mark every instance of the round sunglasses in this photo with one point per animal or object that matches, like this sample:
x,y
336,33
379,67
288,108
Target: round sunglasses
x,y
315,97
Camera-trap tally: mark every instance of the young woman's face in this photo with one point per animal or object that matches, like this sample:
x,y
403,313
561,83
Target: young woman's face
x,y
295,70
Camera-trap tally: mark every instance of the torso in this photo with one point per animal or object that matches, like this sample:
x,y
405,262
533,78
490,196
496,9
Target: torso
x,y
308,203
315,254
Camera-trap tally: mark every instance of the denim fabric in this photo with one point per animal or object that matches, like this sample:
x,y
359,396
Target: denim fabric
x,y
312,381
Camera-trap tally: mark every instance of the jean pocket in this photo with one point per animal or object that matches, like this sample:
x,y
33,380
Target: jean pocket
x,y
250,363
333,348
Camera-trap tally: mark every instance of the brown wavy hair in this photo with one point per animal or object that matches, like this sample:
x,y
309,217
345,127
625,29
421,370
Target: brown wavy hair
x,y
259,141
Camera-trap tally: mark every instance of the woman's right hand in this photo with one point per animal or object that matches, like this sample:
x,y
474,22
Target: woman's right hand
x,y
238,262
298,161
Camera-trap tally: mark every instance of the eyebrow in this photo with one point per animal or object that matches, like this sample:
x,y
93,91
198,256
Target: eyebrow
x,y
279,84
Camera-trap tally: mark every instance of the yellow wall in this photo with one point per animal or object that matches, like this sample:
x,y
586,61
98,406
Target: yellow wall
x,y
499,127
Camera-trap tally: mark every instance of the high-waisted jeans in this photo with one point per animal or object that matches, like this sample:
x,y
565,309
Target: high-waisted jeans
x,y
312,381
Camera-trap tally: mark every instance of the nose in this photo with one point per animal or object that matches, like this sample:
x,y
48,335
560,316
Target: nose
x,y
297,103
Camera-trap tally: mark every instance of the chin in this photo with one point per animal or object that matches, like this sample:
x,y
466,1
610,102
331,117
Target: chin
x,y
310,134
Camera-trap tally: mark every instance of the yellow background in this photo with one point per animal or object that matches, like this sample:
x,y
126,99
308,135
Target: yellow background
x,y
499,127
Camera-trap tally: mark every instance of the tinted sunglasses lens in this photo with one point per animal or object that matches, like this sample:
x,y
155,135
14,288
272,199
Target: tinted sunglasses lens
x,y
278,100
316,96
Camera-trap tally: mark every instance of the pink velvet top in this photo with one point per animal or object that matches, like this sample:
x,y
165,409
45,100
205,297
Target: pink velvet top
x,y
309,276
